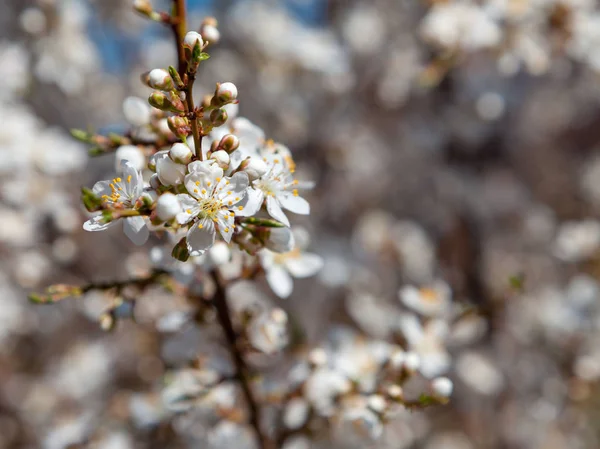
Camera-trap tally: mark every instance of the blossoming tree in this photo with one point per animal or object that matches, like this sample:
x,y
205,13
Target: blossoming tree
x,y
217,195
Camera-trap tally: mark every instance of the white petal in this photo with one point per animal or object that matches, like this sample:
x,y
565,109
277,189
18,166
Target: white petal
x,y
102,188
127,170
189,208
307,264
280,281
199,239
251,203
135,228
226,225
296,204
95,224
275,211
233,192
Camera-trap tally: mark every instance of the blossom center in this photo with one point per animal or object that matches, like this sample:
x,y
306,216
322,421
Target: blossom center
x,y
429,294
210,207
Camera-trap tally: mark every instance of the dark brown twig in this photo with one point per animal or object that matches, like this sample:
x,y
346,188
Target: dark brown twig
x,y
241,370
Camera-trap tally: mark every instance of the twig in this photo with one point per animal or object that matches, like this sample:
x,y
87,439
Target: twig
x,y
179,27
241,370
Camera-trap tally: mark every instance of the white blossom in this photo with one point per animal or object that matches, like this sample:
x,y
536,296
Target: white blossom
x,y
121,193
212,202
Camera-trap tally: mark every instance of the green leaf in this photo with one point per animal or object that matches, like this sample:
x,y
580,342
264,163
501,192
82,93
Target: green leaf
x,y
91,201
82,135
180,251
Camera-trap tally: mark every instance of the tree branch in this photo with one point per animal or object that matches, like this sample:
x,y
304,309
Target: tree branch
x,y
241,370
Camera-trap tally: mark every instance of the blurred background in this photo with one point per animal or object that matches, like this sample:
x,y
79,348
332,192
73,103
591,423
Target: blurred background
x,y
454,141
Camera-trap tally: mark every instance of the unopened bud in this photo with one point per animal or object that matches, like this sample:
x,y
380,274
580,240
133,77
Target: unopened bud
x,y
180,153
146,200
412,361
209,31
191,38
394,391
160,79
254,167
442,387
180,126
130,153
161,101
154,181
136,111
211,34
222,159
143,7
167,206
377,403
317,357
224,93
229,143
218,117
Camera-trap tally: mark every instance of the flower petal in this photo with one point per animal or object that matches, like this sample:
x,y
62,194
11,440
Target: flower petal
x,y
135,228
293,203
280,281
135,184
250,203
95,224
226,224
200,237
275,211
189,208
232,190
307,264
102,188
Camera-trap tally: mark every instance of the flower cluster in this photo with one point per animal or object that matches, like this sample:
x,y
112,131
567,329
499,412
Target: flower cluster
x,y
210,176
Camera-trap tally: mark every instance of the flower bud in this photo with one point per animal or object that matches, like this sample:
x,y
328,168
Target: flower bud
x,y
317,357
209,30
218,117
229,143
191,38
160,79
225,93
136,111
442,387
161,101
180,126
254,167
167,206
146,200
143,7
222,159
280,240
412,361
170,173
180,153
154,181
130,153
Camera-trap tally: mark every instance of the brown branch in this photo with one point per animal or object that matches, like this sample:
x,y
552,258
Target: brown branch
x,y
179,27
241,370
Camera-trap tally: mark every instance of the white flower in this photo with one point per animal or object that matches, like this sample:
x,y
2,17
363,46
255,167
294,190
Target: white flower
x,y
191,38
210,33
322,387
268,331
169,173
280,268
121,193
167,206
428,343
180,153
428,301
137,111
280,190
212,203
577,240
132,154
